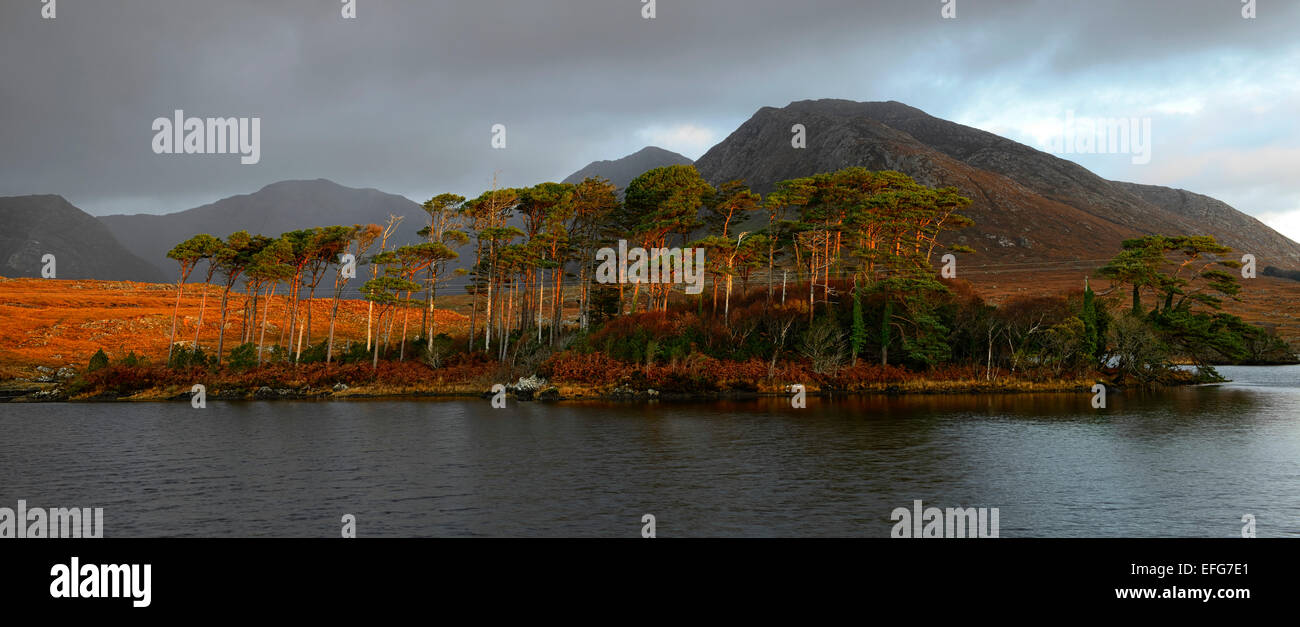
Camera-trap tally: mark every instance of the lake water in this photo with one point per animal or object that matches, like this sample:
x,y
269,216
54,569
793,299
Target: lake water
x,y
1186,462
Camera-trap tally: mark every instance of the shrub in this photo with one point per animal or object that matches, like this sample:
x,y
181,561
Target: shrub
x,y
442,346
314,353
590,368
353,353
823,345
132,360
243,357
184,358
97,361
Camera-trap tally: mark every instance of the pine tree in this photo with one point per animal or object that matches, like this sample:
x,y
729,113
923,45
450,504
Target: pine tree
x,y
1089,316
884,332
859,335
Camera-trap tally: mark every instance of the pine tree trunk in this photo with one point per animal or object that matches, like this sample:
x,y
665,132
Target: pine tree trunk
x,y
171,342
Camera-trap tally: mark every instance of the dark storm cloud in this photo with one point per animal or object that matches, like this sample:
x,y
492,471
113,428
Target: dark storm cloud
x,y
403,98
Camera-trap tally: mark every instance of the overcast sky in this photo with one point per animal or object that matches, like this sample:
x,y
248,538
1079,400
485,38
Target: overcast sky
x,y
403,98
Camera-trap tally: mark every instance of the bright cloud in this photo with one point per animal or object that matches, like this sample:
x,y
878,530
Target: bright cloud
x,y
687,139
1286,223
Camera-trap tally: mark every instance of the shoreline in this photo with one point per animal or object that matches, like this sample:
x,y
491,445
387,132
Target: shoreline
x,y
36,392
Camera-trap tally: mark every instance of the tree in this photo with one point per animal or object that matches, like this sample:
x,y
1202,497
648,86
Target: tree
x,y
324,248
232,260
823,345
497,239
594,200
886,321
1138,352
269,266
446,223
487,213
384,291
1094,339
731,273
302,254
412,260
1191,275
546,209
858,338
388,229
1186,278
346,239
667,200
205,248
730,203
188,254
362,239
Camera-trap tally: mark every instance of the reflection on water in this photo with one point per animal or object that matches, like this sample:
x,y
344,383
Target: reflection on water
x,y
1187,462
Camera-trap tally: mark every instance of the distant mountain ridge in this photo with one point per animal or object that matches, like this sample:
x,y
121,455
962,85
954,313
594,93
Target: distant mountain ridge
x,y
620,172
1028,205
276,208
83,247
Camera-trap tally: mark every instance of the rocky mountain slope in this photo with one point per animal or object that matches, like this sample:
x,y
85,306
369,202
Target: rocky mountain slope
x,y
83,248
1028,205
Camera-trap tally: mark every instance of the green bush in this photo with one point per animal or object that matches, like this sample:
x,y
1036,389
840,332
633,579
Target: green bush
x,y
97,361
353,353
183,358
243,357
314,354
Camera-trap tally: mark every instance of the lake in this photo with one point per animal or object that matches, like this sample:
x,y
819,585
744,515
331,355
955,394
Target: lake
x,y
1184,462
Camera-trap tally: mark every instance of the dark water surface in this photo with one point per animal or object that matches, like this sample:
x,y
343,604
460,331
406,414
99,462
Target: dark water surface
x,y
1187,462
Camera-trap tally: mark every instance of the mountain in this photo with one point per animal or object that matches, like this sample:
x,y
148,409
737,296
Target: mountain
x,y
82,247
272,210
1028,205
620,172
1248,233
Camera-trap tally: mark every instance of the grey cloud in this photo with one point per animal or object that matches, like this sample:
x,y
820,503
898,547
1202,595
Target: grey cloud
x,y
402,99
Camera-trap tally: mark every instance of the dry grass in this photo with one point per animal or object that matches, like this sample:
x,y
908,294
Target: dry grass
x,y
62,323
1270,302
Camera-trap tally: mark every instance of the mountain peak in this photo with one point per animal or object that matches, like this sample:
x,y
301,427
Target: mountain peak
x,y
1027,204
620,172
274,209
